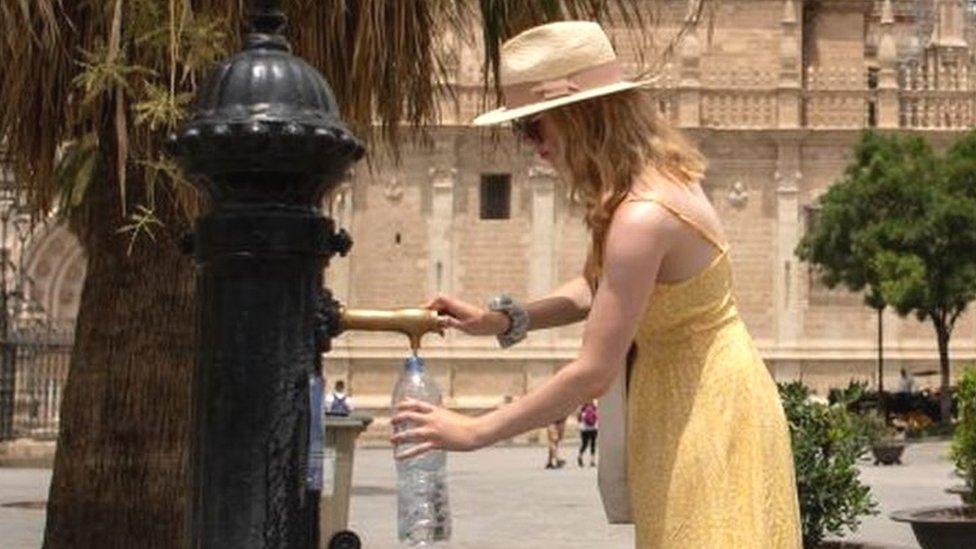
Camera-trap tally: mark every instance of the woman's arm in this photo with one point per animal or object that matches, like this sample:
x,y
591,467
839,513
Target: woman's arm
x,y
636,244
567,304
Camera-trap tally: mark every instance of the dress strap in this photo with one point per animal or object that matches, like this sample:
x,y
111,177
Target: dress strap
x,y
706,234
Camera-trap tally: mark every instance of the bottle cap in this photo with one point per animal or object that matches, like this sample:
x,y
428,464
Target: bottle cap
x,y
414,364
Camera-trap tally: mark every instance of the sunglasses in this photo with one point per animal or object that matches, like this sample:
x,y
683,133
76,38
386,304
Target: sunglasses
x,y
528,129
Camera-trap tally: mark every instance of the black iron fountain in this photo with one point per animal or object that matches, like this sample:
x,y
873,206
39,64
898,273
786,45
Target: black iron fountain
x,y
265,143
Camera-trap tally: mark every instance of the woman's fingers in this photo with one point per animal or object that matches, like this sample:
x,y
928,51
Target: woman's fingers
x,y
449,322
412,417
413,435
446,313
415,451
413,405
448,306
439,303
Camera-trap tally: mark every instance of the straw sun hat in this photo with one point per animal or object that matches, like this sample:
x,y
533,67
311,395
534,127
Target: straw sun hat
x,y
555,64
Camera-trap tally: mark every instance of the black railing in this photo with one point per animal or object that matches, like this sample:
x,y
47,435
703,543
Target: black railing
x,y
35,369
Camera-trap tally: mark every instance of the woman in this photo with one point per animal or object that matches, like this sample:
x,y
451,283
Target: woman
x,y
554,434
587,418
709,461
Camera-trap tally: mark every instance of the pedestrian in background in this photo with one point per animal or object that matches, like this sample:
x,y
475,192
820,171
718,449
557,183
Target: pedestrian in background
x,y
338,403
555,432
588,428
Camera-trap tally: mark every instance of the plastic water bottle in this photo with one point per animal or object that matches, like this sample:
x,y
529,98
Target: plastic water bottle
x,y
424,516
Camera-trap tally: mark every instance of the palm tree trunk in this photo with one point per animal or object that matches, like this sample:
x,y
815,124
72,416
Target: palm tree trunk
x,y
119,471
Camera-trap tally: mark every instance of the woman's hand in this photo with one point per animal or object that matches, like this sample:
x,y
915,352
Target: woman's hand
x,y
468,318
434,428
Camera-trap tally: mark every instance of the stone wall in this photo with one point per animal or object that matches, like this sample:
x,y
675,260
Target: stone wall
x,y
775,92
761,182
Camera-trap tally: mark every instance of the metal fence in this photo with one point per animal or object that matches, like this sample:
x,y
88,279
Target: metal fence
x,y
33,370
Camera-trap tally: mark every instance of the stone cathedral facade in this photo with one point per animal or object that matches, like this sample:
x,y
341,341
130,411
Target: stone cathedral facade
x,y
775,93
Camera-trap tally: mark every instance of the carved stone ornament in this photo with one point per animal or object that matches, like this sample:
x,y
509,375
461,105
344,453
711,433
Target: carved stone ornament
x,y
739,195
542,172
440,172
394,189
441,177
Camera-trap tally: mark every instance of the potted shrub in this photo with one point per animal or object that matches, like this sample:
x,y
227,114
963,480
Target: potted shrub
x,y
887,444
964,438
856,396
827,442
949,527
964,492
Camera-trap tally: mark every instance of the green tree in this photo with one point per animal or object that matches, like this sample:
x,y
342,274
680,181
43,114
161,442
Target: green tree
x,y
829,248
901,222
104,82
829,244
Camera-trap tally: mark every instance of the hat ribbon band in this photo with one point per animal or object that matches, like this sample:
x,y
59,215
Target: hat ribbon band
x,y
526,93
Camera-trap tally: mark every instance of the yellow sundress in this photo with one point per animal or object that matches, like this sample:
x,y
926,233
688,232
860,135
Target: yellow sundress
x,y
708,448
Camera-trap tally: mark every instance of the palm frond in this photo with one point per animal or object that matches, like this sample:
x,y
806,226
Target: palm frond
x,y
88,65
39,45
141,223
104,72
162,109
75,170
392,64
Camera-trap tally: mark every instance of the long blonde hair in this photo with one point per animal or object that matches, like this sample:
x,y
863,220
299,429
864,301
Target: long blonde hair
x,y
608,141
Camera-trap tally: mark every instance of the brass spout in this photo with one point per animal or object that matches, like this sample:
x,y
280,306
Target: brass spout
x,y
413,323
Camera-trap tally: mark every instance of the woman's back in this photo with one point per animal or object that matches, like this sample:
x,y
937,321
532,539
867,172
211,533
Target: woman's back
x,y
708,445
700,238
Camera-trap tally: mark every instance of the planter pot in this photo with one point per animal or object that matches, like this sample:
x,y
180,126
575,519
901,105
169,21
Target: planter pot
x,y
887,453
941,527
964,493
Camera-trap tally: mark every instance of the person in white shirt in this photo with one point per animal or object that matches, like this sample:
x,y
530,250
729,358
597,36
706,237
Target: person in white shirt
x,y
907,383
337,402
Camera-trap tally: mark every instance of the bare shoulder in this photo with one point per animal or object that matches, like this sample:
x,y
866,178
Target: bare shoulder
x,y
644,219
641,231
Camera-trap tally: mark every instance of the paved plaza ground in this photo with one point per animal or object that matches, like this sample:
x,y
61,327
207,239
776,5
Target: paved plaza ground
x,y
502,498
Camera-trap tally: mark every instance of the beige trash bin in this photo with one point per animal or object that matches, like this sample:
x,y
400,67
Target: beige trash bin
x,y
341,433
